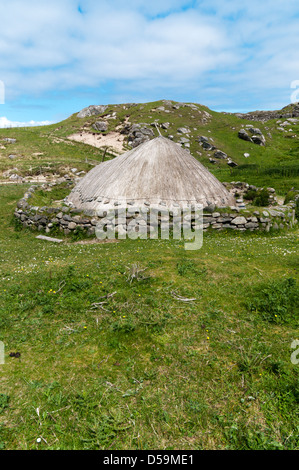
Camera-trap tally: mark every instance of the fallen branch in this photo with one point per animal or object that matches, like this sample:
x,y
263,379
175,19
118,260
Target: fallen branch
x,y
96,305
181,298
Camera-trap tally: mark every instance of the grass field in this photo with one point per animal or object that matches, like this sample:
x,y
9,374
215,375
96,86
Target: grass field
x,y
108,361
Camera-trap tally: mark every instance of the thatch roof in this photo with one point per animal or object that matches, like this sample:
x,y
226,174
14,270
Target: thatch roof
x,y
156,172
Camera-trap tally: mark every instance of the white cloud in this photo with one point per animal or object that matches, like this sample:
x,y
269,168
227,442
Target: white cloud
x,y
5,123
47,46
238,47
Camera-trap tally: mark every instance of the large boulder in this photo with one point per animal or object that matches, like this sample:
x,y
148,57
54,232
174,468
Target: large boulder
x,y
242,134
259,139
101,126
92,110
255,131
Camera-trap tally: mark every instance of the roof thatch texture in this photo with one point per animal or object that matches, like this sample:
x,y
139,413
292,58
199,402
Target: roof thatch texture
x,y
156,172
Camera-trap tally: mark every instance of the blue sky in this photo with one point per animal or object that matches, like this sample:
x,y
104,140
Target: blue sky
x,y
59,56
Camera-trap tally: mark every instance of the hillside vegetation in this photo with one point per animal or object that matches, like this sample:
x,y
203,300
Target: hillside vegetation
x,y
47,149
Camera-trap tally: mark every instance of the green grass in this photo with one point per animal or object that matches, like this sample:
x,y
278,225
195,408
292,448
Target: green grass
x,y
144,370
55,196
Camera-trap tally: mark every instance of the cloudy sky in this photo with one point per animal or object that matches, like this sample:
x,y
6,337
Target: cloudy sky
x,y
58,56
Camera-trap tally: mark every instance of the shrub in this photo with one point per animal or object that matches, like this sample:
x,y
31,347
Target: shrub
x,y
259,198
290,196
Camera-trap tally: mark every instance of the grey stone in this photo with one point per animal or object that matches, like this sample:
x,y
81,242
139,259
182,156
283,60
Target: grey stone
x,y
183,130
92,111
239,221
101,126
231,163
255,131
242,134
259,139
184,140
251,225
220,154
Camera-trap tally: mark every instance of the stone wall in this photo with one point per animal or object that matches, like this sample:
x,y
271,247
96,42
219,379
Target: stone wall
x,y
67,220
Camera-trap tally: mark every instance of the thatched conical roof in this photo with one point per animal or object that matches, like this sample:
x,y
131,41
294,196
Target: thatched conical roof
x,y
156,172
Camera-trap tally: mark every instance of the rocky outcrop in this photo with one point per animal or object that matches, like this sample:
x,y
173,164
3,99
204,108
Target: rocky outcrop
x,y
205,143
138,134
290,111
92,110
257,137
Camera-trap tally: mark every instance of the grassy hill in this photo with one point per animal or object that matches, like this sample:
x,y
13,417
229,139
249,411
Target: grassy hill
x,y
108,360
47,149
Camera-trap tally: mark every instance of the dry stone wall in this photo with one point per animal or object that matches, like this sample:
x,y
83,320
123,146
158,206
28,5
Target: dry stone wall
x,y
67,220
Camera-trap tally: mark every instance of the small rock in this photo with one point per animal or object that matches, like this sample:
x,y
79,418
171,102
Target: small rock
x,y
183,130
220,154
231,163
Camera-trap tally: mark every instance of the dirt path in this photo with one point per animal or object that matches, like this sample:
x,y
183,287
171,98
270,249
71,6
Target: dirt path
x,y
114,140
